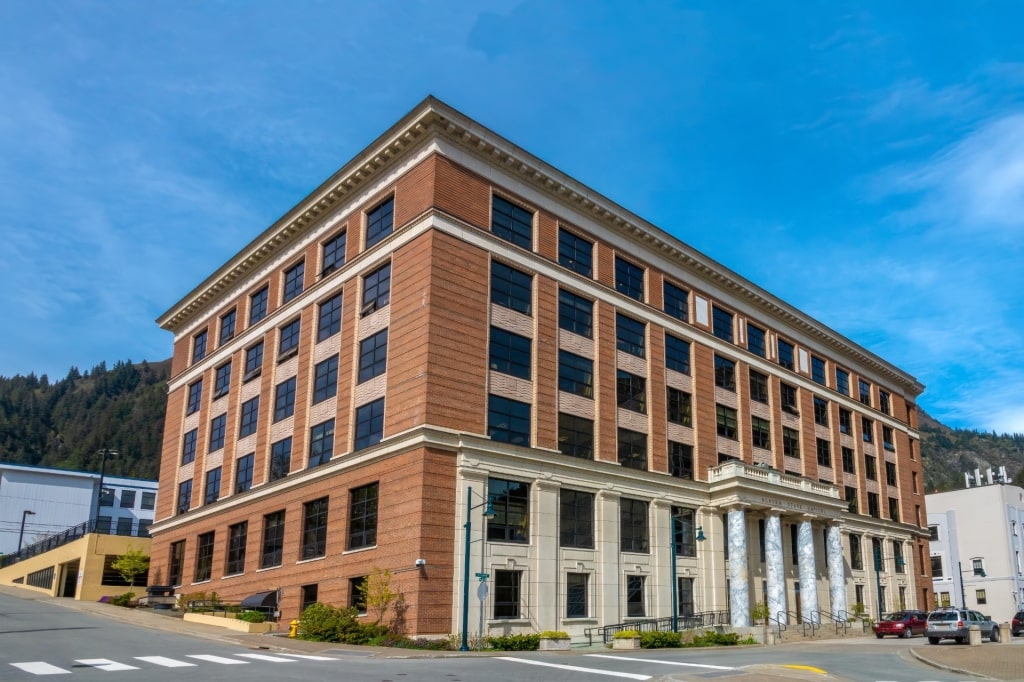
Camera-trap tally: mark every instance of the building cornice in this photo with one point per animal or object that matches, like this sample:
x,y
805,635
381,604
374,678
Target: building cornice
x,y
431,119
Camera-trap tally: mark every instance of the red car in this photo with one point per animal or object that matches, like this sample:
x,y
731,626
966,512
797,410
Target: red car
x,y
1017,626
902,624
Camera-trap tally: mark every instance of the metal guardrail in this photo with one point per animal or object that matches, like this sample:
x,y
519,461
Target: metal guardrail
x,y
223,608
688,622
64,537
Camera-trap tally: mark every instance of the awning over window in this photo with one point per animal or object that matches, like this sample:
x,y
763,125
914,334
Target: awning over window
x,y
261,600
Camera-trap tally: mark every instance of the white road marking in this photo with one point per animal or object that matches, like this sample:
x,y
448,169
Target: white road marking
x,y
654,660
265,657
576,668
165,662
105,664
40,668
310,657
218,659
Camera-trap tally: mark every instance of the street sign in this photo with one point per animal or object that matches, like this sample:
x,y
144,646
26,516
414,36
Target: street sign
x,y
483,576
481,591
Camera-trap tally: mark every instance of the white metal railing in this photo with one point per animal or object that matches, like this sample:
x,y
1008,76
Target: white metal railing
x,y
736,469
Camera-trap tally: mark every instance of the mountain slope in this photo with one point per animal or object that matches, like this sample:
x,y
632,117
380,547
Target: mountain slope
x,y
63,424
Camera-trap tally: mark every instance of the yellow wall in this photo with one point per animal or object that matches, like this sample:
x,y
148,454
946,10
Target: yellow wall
x,y
90,551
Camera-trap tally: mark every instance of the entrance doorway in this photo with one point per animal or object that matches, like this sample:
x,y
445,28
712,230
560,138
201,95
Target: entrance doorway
x,y
70,579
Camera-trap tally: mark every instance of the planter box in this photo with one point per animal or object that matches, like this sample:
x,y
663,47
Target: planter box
x,y
627,643
230,623
554,644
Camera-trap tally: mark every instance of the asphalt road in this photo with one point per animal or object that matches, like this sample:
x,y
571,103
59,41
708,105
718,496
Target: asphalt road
x,y
40,639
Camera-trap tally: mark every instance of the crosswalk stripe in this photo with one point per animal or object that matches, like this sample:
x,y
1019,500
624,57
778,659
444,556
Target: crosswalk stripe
x,y
576,668
218,659
310,657
654,660
165,662
265,657
105,664
41,668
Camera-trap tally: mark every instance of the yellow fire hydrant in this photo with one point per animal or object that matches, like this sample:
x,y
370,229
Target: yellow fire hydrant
x,y
293,628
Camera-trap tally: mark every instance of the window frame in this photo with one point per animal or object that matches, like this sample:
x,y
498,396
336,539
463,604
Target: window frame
x,y
517,415
369,423
380,222
510,501
373,356
630,454
511,288
363,516
314,529
629,279
512,223
573,441
294,280
510,353
677,354
571,254
376,290
676,301
722,323
634,526
575,314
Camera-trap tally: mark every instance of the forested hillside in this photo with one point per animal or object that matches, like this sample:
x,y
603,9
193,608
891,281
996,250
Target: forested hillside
x,y
62,424
950,453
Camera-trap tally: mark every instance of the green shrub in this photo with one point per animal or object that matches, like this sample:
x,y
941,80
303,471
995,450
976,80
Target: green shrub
x,y
324,623
712,638
252,616
514,643
626,634
123,599
554,634
660,640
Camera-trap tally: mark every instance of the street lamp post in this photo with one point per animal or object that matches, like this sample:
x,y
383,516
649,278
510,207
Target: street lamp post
x,y
488,514
675,580
104,452
21,534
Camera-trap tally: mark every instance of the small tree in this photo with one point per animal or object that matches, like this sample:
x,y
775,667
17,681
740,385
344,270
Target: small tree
x,y
131,564
377,593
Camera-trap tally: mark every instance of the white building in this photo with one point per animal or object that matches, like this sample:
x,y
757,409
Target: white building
x,y
976,548
50,501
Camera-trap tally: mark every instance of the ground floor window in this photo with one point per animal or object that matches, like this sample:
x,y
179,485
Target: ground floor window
x,y
858,591
308,596
177,561
576,595
635,596
943,598
981,597
506,593
684,596
204,557
357,594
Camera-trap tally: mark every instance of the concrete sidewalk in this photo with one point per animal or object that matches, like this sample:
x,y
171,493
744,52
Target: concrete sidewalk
x,y
995,661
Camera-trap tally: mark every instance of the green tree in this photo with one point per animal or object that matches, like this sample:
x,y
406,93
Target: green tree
x,y
131,564
377,593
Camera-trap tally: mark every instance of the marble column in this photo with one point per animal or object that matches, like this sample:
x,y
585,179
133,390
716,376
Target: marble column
x,y
836,571
739,583
774,563
806,564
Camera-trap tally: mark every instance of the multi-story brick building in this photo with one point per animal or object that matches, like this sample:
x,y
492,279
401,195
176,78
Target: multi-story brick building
x,y
449,312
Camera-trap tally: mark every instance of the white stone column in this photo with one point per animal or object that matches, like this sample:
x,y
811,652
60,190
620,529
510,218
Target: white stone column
x,y
608,606
739,583
774,564
836,571
544,598
806,564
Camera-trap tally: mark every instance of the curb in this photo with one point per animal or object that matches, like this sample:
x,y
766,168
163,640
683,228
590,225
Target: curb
x,y
947,668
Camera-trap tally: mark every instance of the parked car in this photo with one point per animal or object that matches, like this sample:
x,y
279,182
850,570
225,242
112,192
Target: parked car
x,y
954,624
1017,625
902,624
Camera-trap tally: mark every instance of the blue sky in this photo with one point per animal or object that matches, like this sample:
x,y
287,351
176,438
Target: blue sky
x,y
863,161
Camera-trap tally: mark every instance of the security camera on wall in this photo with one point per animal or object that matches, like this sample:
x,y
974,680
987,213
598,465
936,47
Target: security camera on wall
x,y
420,563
